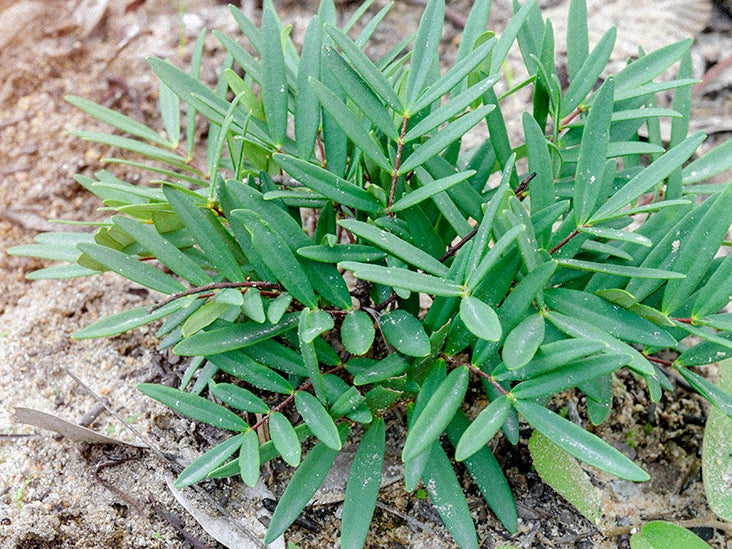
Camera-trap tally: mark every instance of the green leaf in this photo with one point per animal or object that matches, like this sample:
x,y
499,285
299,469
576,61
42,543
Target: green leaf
x,y
659,534
366,69
206,230
303,485
249,459
368,370
483,428
132,269
713,162
357,332
194,407
309,356
328,184
593,153
476,276
509,34
650,65
307,106
313,324
126,320
238,397
234,336
207,462
714,394
620,270
119,121
203,317
278,257
403,278
362,489
434,145
480,319
405,333
350,125
285,439
569,375
523,341
447,496
578,48
274,77
562,472
253,306
437,414
278,307
648,178
615,234
716,457
576,441
317,419
395,246
424,53
430,189
715,294
614,319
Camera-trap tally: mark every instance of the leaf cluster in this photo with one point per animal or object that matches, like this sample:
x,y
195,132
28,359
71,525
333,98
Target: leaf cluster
x,y
338,252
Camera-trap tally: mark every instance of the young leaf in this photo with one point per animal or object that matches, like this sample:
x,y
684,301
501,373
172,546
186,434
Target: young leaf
x,y
238,397
302,486
562,472
437,414
194,407
317,419
249,458
483,428
480,319
424,53
285,439
405,333
583,445
357,332
362,489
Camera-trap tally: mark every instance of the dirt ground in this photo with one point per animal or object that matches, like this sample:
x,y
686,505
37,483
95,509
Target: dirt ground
x,y
62,492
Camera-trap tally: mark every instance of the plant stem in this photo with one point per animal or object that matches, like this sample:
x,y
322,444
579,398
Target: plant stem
x,y
569,237
397,163
477,371
216,286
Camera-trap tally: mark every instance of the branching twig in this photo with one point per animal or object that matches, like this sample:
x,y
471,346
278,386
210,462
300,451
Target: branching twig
x,y
216,286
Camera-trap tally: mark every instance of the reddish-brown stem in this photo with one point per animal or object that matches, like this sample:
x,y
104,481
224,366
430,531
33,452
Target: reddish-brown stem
x,y
569,237
659,360
477,371
216,286
684,320
397,164
520,191
574,114
452,250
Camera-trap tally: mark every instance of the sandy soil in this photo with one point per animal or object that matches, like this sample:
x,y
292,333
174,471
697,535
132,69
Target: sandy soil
x,y
60,492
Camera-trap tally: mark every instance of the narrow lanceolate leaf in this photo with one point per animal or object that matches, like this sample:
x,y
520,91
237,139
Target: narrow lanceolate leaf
x,y
476,276
593,153
578,442
570,375
698,249
480,319
616,234
716,457
285,439
647,179
405,333
203,225
710,164
194,407
437,414
560,471
429,189
274,77
234,336
207,462
119,121
714,394
363,485
483,428
249,458
357,332
328,184
317,419
442,139
132,269
578,48
424,54
621,270
447,496
303,485
279,258
238,397
403,278
307,120
659,534
395,246
351,126
126,320
164,251
715,294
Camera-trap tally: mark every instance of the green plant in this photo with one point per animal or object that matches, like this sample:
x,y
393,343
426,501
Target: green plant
x,y
335,194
